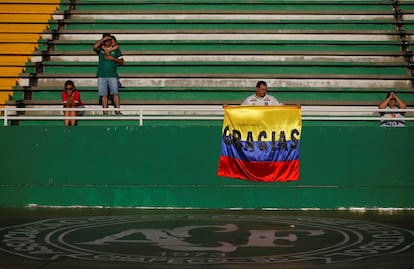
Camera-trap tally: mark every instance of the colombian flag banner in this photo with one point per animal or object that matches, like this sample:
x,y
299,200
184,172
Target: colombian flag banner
x,y
261,143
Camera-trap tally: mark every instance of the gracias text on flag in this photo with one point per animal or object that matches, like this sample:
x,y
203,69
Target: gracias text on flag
x,y
261,143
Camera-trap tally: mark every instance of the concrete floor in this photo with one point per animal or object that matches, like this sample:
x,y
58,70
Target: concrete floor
x,y
51,238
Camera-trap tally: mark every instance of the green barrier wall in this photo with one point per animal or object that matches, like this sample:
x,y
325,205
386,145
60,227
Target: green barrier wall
x,y
173,166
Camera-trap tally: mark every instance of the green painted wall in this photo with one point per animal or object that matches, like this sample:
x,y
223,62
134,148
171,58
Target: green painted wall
x,y
173,166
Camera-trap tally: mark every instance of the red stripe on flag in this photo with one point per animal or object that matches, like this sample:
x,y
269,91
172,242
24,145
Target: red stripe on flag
x,y
258,171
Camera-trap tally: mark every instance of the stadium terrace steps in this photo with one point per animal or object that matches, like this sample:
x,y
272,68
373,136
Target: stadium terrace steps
x,y
311,52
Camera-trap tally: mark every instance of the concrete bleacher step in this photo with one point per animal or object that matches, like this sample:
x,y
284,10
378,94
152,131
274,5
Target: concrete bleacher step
x,y
217,26
200,35
376,6
203,102
134,44
309,69
239,79
132,57
220,94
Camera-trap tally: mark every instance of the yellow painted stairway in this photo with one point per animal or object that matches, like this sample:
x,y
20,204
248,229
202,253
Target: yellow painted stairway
x,y
21,25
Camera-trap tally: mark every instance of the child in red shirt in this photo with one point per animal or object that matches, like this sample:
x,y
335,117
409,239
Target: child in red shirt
x,y
71,99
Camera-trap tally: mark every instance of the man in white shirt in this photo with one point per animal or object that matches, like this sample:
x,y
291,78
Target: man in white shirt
x,y
261,98
392,119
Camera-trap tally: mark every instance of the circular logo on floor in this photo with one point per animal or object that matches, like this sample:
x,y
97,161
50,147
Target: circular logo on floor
x,y
204,239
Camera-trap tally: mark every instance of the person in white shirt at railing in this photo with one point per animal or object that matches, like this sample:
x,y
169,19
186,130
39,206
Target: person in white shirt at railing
x,y
392,102
261,98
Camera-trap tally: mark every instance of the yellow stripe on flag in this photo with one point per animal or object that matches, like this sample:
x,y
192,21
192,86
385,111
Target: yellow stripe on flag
x,y
257,119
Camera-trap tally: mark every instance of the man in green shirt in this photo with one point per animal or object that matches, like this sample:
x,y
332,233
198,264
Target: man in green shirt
x,y
109,59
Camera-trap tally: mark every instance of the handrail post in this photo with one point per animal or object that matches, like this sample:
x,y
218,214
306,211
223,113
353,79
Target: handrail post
x,y
141,117
5,115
